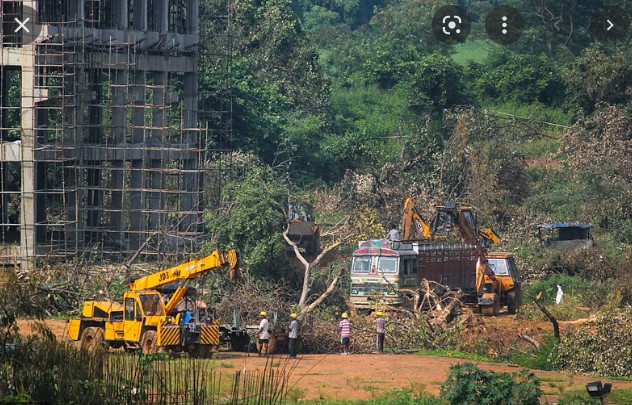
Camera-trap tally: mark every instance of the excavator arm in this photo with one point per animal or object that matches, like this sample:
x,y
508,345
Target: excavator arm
x,y
189,270
462,217
414,225
488,235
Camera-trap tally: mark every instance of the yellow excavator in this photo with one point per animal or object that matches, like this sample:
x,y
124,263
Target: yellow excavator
x,y
148,319
497,281
415,227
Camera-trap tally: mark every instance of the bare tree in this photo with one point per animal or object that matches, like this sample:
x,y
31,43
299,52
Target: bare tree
x,y
338,234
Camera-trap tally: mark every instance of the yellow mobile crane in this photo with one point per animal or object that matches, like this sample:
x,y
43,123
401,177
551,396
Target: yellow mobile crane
x,y
143,321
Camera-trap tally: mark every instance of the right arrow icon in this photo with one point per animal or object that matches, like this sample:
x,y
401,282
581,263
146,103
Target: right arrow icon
x,y
610,24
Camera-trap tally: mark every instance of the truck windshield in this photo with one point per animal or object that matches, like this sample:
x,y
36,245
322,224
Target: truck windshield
x,y
499,267
387,264
361,264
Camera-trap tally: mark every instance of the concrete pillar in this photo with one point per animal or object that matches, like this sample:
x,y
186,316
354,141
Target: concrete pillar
x,y
140,15
28,204
119,112
137,219
193,23
190,176
158,122
122,10
95,132
162,16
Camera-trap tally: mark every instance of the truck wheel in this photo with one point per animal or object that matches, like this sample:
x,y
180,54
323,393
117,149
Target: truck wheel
x,y
496,305
92,338
511,303
148,342
487,310
271,346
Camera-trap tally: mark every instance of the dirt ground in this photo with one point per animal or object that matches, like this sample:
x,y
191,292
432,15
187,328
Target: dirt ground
x,y
363,376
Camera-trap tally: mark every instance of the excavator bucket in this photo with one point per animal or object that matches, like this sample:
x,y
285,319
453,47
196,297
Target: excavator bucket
x,y
489,235
233,261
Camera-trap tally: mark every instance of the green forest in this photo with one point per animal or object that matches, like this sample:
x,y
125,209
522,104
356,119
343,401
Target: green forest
x,y
354,106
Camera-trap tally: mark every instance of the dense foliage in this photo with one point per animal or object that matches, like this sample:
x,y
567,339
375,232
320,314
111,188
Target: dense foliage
x,y
604,351
355,106
468,384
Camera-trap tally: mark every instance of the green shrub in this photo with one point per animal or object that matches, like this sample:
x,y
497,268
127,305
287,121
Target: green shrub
x,y
467,385
605,349
582,290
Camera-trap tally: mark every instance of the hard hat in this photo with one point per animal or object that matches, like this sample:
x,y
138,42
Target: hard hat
x,y
379,313
263,313
293,315
344,315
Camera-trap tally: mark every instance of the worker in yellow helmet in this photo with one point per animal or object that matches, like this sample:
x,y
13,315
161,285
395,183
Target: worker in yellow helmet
x,y
293,335
379,332
263,334
345,332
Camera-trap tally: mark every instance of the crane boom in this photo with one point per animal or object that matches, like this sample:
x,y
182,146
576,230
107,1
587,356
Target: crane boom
x,y
188,270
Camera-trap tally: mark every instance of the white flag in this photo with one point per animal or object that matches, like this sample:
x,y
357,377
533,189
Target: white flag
x,y
559,298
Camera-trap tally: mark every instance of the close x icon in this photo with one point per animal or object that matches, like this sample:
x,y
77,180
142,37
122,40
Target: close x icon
x,y
19,24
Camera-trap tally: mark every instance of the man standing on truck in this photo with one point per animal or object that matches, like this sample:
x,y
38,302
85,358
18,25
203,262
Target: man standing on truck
x,y
379,332
393,234
345,333
262,334
293,335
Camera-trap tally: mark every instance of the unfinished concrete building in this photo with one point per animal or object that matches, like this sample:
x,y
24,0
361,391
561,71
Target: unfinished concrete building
x,y
101,143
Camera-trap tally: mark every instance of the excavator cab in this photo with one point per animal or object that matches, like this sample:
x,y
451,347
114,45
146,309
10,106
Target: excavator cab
x,y
302,229
453,215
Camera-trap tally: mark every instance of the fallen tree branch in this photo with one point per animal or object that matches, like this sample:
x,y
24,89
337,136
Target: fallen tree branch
x,y
530,340
556,326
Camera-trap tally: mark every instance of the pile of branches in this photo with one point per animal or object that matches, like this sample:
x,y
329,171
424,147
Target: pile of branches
x,y
247,299
404,334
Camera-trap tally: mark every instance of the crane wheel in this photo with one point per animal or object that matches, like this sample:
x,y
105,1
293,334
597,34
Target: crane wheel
x,y
271,346
148,342
92,338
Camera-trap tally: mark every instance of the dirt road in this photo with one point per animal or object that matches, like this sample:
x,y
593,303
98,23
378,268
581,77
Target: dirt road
x,y
363,376
366,376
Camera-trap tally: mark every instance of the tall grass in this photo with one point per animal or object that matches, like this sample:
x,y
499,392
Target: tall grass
x,y
40,369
